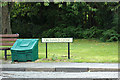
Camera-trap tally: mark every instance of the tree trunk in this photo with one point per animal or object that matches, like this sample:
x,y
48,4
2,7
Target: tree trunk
x,y
6,28
0,19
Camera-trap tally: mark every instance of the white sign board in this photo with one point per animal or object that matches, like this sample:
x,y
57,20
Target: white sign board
x,y
49,40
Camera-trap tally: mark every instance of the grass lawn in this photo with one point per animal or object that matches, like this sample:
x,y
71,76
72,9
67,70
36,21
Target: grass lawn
x,y
82,50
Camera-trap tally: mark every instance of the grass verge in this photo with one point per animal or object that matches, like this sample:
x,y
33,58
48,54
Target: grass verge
x,y
82,50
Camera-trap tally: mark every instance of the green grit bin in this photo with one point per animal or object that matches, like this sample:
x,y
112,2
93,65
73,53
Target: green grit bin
x,y
25,50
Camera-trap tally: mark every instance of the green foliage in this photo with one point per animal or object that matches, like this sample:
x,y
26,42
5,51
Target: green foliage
x,y
25,9
93,32
54,57
3,4
64,32
110,35
67,19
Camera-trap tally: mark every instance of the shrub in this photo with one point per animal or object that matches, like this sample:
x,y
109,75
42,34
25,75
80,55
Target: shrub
x,y
63,32
93,32
109,35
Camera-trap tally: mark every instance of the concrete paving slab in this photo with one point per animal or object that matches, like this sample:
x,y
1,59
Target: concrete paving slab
x,y
13,69
71,69
41,69
104,69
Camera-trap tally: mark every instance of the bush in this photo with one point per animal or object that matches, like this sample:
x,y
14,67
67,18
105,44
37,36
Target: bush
x,y
93,32
109,35
59,32
49,33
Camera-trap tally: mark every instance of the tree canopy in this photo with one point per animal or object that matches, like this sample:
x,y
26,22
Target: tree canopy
x,y
66,19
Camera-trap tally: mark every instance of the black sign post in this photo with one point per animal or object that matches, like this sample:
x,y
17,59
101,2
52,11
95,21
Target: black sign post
x,y
46,50
68,50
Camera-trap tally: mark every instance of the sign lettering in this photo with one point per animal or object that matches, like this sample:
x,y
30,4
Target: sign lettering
x,y
49,40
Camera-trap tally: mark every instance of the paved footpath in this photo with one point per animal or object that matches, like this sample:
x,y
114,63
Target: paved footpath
x,y
65,75
59,71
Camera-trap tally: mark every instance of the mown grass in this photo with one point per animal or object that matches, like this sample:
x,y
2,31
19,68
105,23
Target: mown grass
x,y
82,50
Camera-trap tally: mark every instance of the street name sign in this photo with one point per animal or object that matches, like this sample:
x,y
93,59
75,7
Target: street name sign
x,y
50,40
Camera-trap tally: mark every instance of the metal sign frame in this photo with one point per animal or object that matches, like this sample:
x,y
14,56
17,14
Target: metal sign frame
x,y
69,41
